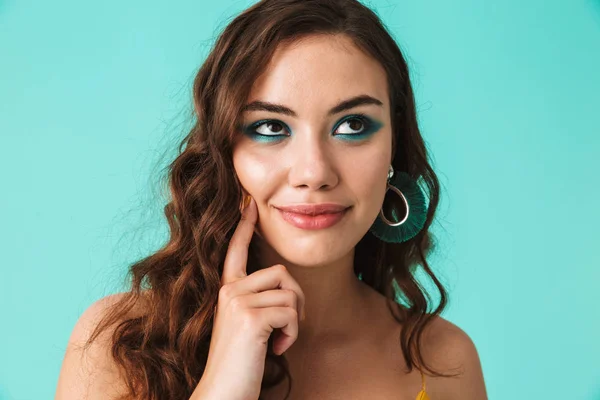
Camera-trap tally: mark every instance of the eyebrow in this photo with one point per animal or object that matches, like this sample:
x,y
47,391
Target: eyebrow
x,y
352,102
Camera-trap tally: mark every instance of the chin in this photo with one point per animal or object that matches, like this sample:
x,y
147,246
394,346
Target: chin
x,y
310,252
309,262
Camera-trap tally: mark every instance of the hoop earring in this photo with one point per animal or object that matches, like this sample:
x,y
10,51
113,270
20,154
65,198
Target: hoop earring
x,y
416,210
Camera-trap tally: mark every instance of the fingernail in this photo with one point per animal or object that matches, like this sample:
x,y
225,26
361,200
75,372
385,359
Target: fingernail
x,y
245,202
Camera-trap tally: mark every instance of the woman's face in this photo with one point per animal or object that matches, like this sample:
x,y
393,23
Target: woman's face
x,y
307,151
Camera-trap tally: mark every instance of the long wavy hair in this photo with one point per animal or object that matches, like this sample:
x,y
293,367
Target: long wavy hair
x,y
162,352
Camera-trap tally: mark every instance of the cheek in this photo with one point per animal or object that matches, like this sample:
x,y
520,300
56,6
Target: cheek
x,y
369,188
253,171
367,174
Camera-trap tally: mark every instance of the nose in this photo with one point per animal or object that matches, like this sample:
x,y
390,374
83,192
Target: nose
x,y
313,164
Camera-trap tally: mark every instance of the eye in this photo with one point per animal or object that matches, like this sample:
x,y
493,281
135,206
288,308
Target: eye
x,y
359,125
269,128
355,124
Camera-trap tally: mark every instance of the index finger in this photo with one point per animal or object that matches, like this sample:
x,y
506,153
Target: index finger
x,y
236,259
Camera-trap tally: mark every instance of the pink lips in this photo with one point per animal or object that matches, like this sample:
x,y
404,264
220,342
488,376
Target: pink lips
x,y
313,216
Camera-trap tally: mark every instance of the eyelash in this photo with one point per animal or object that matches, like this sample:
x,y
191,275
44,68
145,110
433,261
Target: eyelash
x,y
366,121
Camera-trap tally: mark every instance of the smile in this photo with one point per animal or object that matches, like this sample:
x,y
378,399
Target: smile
x,y
312,222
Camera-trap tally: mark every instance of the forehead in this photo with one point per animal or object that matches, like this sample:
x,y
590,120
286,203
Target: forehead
x,y
317,72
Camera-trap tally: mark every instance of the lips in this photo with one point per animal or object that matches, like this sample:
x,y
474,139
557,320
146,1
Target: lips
x,y
313,209
313,216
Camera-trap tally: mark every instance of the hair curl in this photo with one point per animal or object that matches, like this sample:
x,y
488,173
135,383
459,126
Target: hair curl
x,y
163,351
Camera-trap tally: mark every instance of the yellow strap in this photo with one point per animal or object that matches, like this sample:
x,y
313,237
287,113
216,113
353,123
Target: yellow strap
x,y
422,395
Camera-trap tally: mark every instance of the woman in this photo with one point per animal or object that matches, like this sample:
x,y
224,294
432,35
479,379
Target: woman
x,y
305,115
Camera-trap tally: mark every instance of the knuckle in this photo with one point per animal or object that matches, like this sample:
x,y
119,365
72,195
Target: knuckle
x,y
293,313
225,292
280,268
292,296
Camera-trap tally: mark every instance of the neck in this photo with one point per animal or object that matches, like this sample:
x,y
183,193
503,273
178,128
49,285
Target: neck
x,y
335,298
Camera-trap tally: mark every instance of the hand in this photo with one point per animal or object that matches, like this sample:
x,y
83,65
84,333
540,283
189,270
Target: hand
x,y
249,308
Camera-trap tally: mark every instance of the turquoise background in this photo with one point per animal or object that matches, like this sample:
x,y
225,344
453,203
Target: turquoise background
x,y
93,99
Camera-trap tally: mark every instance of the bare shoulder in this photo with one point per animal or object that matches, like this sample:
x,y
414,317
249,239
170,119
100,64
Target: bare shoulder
x,y
449,349
90,374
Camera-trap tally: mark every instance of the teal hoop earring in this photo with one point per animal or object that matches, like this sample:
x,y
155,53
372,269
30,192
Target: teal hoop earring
x,y
404,229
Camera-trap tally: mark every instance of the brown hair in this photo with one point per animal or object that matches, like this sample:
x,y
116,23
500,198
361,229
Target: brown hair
x,y
163,351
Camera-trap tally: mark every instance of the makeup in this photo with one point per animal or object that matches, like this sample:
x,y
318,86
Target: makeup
x,y
369,127
259,130
266,125
312,222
